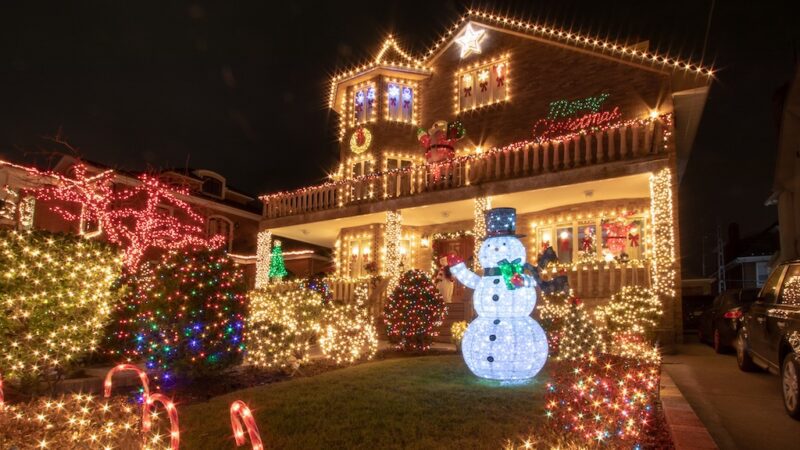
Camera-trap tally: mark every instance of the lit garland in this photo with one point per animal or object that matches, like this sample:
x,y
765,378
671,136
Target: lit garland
x,y
662,235
277,268
360,140
56,293
603,399
578,336
348,333
190,318
135,228
414,312
482,204
435,256
343,182
263,258
392,239
282,325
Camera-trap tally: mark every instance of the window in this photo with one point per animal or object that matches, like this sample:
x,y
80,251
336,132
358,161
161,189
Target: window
x,y
770,291
790,294
482,85
397,185
212,186
401,101
359,254
218,225
762,272
564,249
363,104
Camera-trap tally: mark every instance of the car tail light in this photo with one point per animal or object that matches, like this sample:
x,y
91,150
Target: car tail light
x,y
733,314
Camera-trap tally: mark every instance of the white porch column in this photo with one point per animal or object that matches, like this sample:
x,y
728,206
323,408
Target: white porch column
x,y
482,204
263,258
391,237
662,242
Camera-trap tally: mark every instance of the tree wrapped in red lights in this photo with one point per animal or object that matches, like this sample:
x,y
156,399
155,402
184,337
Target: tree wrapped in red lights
x,y
134,217
603,399
192,320
414,312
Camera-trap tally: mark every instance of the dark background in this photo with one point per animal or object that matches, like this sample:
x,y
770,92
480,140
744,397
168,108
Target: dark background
x,y
239,87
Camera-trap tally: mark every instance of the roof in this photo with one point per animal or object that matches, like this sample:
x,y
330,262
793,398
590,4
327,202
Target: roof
x,y
630,53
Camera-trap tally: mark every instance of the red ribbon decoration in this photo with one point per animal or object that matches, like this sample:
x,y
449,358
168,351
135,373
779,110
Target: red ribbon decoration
x,y
500,81
634,239
468,91
586,244
484,86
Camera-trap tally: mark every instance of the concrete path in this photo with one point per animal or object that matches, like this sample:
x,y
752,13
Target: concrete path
x,y
741,410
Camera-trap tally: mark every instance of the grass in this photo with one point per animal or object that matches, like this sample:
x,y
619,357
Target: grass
x,y
430,402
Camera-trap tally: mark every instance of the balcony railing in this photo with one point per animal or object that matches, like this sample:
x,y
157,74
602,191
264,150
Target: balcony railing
x,y
624,142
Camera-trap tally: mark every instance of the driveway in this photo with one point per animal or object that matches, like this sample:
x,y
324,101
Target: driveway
x,y
741,410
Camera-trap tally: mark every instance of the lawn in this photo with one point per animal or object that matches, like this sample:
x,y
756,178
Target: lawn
x,y
422,402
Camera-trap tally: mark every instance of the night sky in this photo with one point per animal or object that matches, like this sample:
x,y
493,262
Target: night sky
x,y
239,87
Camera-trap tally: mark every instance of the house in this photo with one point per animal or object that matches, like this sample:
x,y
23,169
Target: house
x,y
224,209
747,259
586,138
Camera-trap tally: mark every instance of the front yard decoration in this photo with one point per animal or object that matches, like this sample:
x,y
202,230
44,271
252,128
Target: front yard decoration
x,y
348,332
282,325
414,312
277,268
604,399
503,342
578,334
240,412
192,322
56,294
551,313
141,224
457,330
635,309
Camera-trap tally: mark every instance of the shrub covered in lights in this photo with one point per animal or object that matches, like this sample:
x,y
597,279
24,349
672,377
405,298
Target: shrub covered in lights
x,y
348,330
579,336
193,319
282,325
603,399
56,294
551,313
635,309
457,330
414,312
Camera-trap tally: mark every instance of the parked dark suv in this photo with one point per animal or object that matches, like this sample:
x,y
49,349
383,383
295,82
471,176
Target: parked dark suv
x,y
770,333
720,322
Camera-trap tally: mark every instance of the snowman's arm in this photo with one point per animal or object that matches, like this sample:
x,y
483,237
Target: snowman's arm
x,y
467,277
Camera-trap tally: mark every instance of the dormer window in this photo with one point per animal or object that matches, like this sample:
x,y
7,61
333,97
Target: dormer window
x,y
213,184
363,104
400,101
482,85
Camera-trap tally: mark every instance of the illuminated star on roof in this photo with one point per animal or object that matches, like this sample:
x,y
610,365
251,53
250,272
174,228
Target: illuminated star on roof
x,y
470,41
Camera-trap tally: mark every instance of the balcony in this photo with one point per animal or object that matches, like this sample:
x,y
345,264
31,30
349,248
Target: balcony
x,y
580,154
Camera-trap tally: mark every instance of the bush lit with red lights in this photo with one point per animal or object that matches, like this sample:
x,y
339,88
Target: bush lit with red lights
x,y
414,312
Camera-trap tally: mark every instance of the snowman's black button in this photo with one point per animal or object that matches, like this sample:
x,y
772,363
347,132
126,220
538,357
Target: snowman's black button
x,y
492,337
495,297
490,359
497,321
497,281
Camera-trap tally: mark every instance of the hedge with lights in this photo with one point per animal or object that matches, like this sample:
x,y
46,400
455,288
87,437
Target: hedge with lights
x,y
348,331
579,335
190,318
635,309
414,312
551,311
56,295
282,325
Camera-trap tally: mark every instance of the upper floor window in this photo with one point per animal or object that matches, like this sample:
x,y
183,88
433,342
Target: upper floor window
x,y
482,85
212,186
363,103
400,101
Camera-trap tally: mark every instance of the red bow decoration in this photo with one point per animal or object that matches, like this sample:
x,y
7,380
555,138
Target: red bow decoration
x,y
468,91
406,104
484,86
500,81
634,239
393,101
586,244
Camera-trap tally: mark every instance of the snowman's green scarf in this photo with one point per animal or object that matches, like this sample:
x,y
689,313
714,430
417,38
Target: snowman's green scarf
x,y
507,270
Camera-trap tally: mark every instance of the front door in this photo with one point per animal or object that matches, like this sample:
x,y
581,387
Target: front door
x,y
462,247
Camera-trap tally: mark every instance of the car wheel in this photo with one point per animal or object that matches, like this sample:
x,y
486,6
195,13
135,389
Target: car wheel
x,y
743,358
790,382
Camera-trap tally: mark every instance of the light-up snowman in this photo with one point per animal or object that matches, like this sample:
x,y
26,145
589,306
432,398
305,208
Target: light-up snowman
x,y
503,342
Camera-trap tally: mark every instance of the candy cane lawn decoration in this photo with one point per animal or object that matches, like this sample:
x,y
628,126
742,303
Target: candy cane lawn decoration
x,y
240,409
122,368
172,412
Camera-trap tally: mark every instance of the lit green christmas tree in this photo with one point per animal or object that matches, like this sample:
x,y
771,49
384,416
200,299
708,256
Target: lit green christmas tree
x,y
277,269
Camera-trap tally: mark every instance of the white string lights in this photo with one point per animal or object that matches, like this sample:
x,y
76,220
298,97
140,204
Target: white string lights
x,y
392,236
263,258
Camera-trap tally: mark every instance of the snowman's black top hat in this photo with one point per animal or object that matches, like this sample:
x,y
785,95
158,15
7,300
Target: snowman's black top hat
x,y
502,222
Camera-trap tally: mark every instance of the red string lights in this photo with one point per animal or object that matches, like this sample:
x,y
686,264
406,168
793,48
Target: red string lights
x,y
172,414
414,312
240,410
137,218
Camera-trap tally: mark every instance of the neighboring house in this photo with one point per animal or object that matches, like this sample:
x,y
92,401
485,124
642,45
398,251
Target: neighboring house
x,y
226,211
586,138
786,189
747,259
